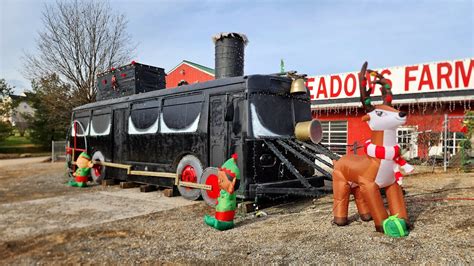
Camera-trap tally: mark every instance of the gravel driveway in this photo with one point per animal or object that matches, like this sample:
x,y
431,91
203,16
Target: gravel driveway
x,y
68,229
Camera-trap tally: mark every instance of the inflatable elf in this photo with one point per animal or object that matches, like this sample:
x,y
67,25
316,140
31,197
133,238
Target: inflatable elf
x,y
83,171
228,176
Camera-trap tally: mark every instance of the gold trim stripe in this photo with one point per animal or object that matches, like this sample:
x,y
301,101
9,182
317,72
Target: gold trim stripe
x,y
141,173
115,165
157,174
195,185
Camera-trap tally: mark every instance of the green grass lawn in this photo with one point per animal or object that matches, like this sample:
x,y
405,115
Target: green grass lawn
x,y
16,141
19,145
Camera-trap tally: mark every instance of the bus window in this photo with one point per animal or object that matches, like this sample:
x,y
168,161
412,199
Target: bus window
x,y
181,117
82,126
100,124
271,115
143,118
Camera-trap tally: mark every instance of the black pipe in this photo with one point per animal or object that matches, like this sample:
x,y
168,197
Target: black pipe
x,y
229,54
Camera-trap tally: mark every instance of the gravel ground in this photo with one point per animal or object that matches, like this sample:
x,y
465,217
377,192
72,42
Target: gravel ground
x,y
299,232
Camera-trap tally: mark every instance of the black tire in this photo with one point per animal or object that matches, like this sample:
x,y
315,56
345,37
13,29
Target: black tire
x,y
98,171
186,166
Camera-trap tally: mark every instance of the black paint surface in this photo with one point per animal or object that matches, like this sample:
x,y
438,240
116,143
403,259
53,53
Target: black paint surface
x,y
130,79
215,139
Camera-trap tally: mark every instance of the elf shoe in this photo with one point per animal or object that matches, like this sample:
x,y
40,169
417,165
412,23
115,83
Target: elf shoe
x,y
219,225
72,183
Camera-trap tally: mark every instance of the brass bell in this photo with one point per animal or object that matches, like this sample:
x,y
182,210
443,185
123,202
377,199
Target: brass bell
x,y
298,86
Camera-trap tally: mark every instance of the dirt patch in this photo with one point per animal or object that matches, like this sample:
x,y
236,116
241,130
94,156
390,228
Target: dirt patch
x,y
27,179
439,206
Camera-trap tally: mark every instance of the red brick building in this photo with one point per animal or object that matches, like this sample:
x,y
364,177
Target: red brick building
x,y
189,72
427,92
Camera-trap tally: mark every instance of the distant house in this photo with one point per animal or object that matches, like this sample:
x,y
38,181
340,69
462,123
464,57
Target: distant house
x,y
188,72
21,110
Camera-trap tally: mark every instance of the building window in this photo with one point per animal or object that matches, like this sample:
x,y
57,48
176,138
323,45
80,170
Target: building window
x,y
453,142
406,139
335,136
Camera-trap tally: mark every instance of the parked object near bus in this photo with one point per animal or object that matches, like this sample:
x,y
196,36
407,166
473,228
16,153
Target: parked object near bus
x,y
229,180
130,79
81,175
365,175
176,137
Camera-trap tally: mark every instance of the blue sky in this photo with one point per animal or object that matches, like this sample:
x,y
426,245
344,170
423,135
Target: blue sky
x,y
313,37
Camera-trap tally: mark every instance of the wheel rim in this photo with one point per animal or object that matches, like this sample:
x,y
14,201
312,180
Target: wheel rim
x,y
189,175
213,181
189,170
97,170
210,178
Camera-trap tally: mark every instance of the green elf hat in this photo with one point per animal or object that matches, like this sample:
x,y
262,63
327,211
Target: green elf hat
x,y
230,167
85,155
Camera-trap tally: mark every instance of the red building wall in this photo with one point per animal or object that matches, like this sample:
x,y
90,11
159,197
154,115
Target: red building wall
x,y
357,131
432,119
187,73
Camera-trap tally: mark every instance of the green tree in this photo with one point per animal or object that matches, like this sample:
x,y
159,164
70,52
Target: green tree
x,y
6,130
465,144
5,103
5,109
53,102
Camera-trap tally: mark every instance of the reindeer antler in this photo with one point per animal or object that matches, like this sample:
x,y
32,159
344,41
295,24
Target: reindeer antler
x,y
387,96
364,93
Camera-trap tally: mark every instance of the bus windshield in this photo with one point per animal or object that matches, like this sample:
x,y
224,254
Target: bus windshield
x,y
272,115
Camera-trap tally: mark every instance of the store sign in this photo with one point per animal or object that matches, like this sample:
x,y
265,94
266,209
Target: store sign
x,y
415,79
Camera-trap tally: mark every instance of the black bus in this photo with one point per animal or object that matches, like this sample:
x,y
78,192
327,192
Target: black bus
x,y
176,137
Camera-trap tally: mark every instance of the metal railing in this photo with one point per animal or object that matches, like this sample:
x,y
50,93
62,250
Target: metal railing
x,y
58,151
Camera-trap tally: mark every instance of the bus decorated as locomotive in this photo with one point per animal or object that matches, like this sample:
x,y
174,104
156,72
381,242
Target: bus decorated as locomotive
x,y
140,132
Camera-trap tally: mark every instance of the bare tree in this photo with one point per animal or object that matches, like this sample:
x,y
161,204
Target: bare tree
x,y
79,40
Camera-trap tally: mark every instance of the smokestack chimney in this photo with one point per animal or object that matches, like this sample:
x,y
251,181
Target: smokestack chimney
x,y
229,54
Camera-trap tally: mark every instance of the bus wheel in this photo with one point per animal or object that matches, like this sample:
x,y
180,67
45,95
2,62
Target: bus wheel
x,y
209,177
189,170
98,171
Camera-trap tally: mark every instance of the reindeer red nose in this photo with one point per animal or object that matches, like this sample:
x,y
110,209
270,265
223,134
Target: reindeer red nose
x,y
402,114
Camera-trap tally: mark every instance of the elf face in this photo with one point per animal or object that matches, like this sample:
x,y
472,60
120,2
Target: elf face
x,y
225,183
83,162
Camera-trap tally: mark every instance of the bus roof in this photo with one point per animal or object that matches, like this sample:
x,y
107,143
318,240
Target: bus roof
x,y
188,88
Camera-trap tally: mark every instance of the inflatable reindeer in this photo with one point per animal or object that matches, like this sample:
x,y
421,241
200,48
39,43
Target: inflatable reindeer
x,y
364,175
